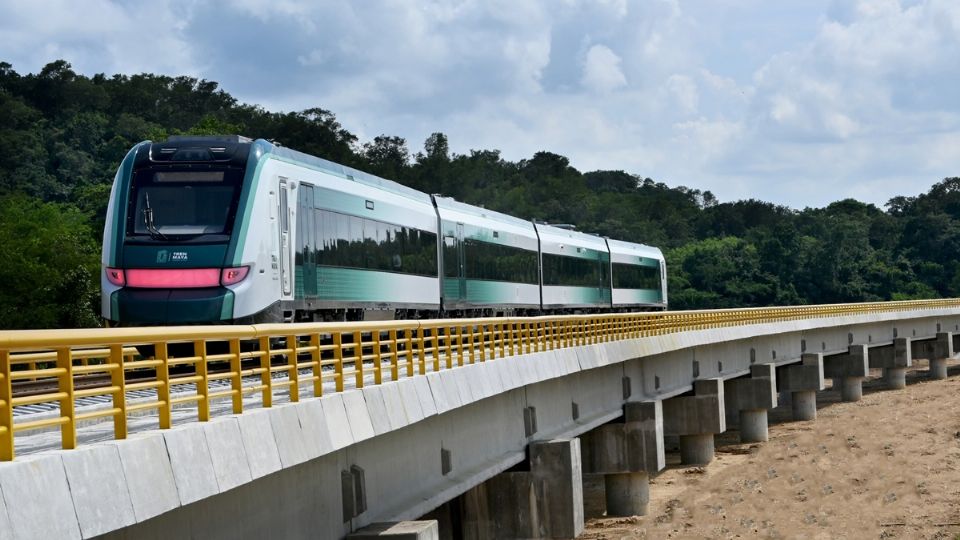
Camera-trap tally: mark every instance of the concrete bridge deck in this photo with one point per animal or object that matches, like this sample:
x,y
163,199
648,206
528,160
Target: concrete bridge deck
x,y
480,434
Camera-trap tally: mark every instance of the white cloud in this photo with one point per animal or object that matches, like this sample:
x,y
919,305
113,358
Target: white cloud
x,y
798,103
684,93
99,36
783,109
601,70
841,125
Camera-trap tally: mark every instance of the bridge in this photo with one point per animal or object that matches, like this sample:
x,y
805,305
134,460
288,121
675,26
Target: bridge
x,y
486,426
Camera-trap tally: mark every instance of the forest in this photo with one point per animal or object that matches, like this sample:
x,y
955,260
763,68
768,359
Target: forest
x,y
63,135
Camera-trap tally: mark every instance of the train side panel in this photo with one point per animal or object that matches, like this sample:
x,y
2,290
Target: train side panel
x,y
575,268
356,242
637,275
490,260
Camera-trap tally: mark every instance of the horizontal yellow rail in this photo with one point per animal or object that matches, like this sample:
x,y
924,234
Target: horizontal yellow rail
x,y
65,365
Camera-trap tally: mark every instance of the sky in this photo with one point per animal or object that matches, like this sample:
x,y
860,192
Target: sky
x,y
796,102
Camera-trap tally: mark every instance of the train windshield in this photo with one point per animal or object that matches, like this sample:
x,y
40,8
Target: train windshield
x,y
182,205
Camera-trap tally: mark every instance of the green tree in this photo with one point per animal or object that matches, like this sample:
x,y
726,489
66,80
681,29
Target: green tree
x,y
719,273
51,265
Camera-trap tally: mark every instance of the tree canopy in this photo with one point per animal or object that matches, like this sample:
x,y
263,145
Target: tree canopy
x,y
64,135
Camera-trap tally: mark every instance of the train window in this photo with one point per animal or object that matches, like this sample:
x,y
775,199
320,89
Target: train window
x,y
632,276
182,204
572,271
451,257
305,230
497,262
355,242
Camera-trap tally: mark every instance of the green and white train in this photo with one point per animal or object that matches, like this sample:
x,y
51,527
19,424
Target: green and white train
x,y
229,230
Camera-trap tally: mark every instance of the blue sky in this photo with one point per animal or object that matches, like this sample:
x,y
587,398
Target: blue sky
x,y
796,102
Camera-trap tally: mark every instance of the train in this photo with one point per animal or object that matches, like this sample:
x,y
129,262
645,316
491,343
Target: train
x,y
229,230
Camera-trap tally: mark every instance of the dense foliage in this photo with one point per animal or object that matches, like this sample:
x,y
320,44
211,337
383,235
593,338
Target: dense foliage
x,y
64,134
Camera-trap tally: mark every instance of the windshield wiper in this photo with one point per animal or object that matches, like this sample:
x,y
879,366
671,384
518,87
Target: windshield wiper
x,y
148,220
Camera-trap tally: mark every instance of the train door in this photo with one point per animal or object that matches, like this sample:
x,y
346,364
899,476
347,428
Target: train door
x,y
602,275
462,263
308,240
284,236
454,288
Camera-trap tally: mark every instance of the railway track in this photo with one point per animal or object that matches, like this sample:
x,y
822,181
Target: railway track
x,y
81,382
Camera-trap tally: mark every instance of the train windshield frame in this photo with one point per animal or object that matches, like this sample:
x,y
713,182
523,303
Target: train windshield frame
x,y
183,204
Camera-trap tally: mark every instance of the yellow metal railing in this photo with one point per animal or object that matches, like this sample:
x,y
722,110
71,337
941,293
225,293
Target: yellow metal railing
x,y
184,362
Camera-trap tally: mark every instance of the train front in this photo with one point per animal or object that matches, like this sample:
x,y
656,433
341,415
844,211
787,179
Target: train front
x,y
167,243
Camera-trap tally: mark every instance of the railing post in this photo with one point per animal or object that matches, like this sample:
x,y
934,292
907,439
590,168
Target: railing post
x,y
448,345
203,385
535,332
421,351
316,359
6,409
358,359
377,358
292,372
118,380
236,381
266,377
498,331
526,328
459,345
523,337
436,347
526,345
162,355
338,359
394,356
68,430
516,335
470,342
489,339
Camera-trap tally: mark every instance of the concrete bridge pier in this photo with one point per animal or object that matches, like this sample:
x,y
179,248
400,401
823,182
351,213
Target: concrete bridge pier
x,y
896,378
893,360
942,350
803,381
627,453
749,398
695,419
848,371
544,502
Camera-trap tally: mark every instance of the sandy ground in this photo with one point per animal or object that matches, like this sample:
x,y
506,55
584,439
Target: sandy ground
x,y
885,467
